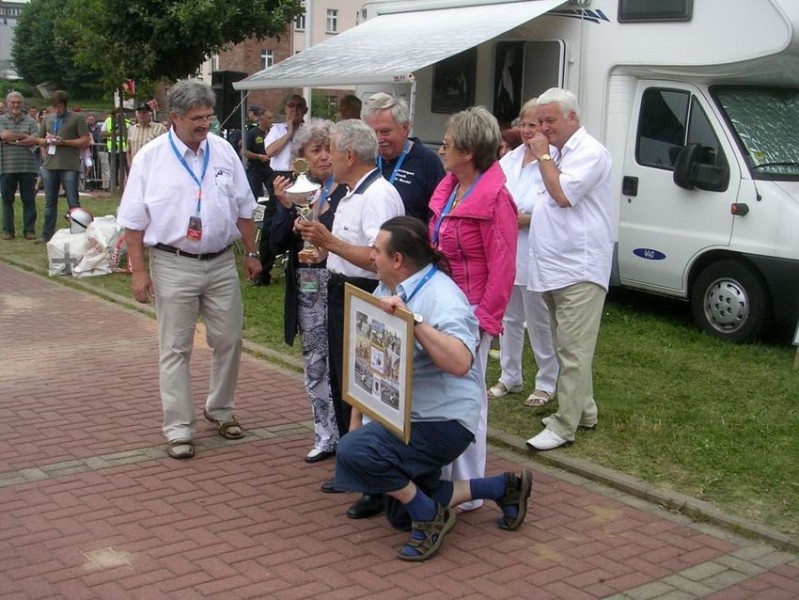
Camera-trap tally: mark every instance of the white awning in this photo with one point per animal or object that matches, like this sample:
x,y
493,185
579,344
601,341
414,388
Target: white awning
x,y
390,47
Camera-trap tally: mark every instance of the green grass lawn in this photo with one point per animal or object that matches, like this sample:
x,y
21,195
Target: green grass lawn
x,y
679,409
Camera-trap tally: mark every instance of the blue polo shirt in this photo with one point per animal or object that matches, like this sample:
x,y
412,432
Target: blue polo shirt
x,y
436,395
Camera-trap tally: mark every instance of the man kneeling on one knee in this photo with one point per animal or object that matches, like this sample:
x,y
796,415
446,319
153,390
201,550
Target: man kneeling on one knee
x,y
445,404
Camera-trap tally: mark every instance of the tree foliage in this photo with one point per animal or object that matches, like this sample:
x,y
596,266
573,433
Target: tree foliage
x,y
146,40
43,52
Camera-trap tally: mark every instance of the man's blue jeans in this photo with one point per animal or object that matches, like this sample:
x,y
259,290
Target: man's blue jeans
x,y
53,179
27,191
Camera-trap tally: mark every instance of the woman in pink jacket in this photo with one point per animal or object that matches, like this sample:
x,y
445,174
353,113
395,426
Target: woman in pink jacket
x,y
474,224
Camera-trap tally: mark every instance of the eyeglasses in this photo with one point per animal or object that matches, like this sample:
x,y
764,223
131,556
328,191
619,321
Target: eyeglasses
x,y
294,105
445,146
524,125
201,119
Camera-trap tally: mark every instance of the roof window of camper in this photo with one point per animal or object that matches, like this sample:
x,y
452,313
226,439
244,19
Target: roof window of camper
x,y
637,11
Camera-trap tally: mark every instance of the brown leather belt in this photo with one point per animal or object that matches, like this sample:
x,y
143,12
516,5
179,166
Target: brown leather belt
x,y
179,252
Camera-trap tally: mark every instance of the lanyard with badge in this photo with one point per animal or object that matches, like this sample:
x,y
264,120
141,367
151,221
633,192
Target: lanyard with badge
x,y
57,124
420,285
309,280
399,162
195,229
448,207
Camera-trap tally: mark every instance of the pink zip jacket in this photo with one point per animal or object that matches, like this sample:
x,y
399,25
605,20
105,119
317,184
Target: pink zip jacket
x,y
478,238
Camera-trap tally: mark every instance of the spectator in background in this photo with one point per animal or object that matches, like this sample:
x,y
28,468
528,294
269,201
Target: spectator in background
x,y
143,131
253,116
278,140
349,107
18,167
511,139
61,135
116,142
259,174
474,225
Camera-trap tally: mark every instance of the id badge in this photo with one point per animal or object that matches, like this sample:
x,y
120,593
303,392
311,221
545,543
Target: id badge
x,y
309,282
195,230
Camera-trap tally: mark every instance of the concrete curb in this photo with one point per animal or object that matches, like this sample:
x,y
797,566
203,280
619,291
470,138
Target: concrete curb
x,y
698,510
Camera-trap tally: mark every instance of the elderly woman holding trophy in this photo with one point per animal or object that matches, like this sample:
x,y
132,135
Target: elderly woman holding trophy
x,y
313,196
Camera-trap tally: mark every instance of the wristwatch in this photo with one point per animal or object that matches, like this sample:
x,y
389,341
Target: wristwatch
x,y
418,319
544,158
253,255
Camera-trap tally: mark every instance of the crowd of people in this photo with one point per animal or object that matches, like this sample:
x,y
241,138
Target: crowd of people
x,y
63,151
500,231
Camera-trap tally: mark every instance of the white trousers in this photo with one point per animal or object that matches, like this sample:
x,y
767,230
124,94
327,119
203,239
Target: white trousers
x,y
528,307
472,463
186,288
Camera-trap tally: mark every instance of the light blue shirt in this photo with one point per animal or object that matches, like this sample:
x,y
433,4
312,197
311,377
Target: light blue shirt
x,y
436,395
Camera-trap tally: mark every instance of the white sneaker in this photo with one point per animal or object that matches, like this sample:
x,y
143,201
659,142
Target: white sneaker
x,y
546,440
547,420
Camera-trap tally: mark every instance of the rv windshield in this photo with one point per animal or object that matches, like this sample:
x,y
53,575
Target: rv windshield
x,y
766,122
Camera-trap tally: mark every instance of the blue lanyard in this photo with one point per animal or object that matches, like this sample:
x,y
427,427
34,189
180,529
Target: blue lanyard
x,y
58,122
420,285
448,207
399,162
325,193
186,166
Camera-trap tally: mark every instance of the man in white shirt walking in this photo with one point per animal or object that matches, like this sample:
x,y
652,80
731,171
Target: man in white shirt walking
x,y
187,200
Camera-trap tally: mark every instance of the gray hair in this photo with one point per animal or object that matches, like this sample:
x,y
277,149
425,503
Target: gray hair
x,y
566,101
188,94
314,131
357,137
14,94
381,101
477,131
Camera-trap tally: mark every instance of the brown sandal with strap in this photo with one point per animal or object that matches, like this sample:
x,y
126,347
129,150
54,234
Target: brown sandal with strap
x,y
517,493
224,427
434,532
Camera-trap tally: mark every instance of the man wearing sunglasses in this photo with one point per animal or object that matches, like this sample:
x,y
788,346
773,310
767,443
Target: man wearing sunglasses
x,y
278,141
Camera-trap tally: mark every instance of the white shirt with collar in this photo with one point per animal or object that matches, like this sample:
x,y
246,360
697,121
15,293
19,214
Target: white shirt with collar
x,y
574,244
522,182
282,160
358,220
160,195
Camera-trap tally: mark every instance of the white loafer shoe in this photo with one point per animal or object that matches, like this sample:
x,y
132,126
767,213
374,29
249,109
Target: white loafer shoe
x,y
546,440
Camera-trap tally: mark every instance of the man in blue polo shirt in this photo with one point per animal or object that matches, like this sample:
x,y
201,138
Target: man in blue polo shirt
x,y
445,403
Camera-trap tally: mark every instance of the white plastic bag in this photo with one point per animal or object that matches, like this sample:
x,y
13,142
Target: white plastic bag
x,y
64,251
101,239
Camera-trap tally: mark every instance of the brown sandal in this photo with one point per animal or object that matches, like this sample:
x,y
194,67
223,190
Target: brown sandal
x,y
180,449
434,532
517,493
224,427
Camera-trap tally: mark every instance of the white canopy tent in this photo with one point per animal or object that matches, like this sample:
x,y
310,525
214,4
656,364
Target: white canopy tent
x,y
391,47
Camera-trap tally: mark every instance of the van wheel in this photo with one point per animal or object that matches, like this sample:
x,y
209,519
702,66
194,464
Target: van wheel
x,y
729,300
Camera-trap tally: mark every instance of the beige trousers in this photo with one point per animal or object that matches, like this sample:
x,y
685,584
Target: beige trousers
x,y
576,312
186,288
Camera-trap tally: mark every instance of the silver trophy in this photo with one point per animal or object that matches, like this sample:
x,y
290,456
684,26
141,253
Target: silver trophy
x,y
302,193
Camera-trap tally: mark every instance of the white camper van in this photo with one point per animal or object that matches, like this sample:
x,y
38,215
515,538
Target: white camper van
x,y
698,102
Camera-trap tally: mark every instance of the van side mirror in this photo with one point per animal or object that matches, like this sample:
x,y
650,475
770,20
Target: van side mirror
x,y
684,165
691,172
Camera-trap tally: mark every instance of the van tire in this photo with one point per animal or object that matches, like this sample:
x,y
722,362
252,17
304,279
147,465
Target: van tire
x,y
729,300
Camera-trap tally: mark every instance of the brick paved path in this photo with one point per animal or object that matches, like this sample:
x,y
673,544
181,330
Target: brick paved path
x,y
91,507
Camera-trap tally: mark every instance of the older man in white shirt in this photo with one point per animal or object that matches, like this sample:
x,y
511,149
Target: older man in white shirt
x,y
188,201
571,244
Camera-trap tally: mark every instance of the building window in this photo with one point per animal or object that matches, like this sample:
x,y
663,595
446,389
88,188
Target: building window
x,y
267,58
332,21
299,22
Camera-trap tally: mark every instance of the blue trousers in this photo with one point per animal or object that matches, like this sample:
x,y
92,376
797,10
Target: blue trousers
x,y
27,192
53,179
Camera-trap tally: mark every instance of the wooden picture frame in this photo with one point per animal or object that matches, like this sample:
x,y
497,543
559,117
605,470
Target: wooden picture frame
x,y
454,83
378,361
